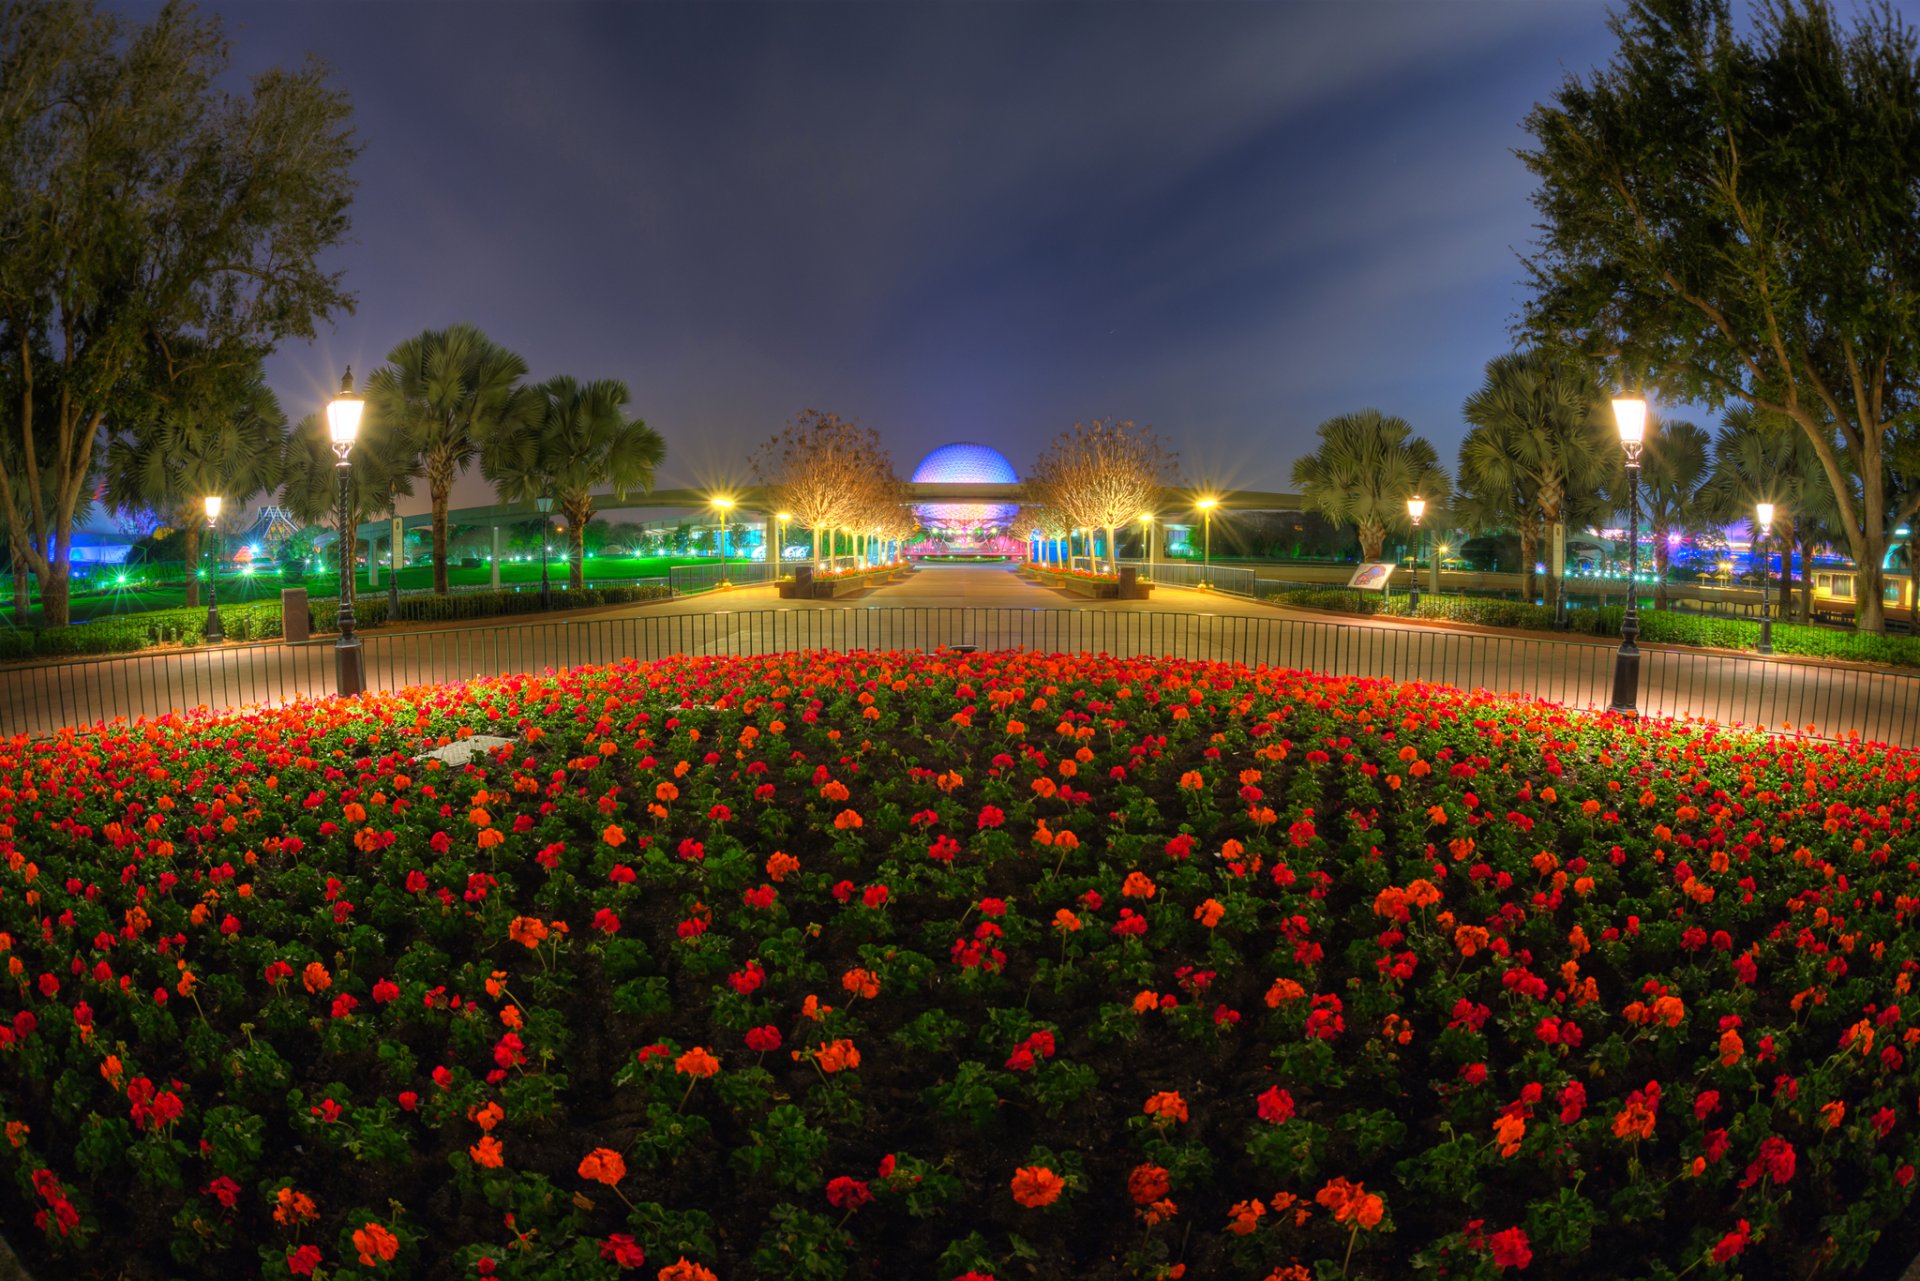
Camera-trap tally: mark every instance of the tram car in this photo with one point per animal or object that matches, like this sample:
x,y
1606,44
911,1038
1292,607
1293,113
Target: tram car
x,y
1835,595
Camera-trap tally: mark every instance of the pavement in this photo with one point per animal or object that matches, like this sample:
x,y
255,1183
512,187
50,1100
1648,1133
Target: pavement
x,y
991,607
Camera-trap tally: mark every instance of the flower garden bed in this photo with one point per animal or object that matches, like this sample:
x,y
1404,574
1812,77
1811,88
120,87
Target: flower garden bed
x,y
1094,586
936,966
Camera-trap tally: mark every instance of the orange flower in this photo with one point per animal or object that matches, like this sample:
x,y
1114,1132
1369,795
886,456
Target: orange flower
x,y
666,792
1138,885
1065,921
1731,1047
1509,1130
1191,781
17,1132
682,1270
316,978
1146,1002
528,931
1351,1203
846,819
294,1208
1209,913
781,866
486,1153
861,982
614,835
1167,1106
1036,1185
833,790
490,837
696,1063
375,1244
1148,1183
603,1165
1244,1217
1834,1112
487,1117
837,1056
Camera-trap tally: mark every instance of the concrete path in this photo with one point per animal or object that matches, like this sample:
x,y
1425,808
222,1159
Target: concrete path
x,y
989,607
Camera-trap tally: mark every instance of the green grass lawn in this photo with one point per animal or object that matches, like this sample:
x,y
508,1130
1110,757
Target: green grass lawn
x,y
108,596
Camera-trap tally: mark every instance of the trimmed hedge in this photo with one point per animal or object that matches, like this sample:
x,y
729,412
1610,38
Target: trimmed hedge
x,y
260,620
1481,611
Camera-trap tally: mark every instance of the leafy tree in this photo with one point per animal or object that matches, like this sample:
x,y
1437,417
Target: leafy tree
x,y
577,436
228,437
1102,475
444,391
1366,467
1727,210
153,221
1534,426
822,469
383,467
1501,502
1760,457
1673,469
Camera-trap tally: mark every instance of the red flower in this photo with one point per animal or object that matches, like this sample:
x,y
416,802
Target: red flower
x,y
1732,1243
1510,1249
302,1260
623,1250
848,1194
763,1039
1276,1105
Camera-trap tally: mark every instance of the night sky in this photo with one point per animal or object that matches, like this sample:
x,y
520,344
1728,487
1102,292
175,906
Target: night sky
x,y
970,221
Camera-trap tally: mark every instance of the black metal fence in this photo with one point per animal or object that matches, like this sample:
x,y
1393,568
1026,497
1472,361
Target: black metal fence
x,y
1730,689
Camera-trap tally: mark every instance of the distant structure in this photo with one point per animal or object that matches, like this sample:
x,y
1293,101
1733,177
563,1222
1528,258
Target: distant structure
x,y
959,463
271,528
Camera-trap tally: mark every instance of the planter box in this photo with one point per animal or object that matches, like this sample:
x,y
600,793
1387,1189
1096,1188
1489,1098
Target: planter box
x,y
1093,589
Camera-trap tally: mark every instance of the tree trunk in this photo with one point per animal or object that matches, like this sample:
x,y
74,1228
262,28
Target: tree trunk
x,y
192,532
1372,537
1806,580
439,541
1113,554
22,604
53,588
578,513
1529,550
1662,558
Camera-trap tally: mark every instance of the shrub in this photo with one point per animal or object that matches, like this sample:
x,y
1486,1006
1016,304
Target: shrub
x,y
919,964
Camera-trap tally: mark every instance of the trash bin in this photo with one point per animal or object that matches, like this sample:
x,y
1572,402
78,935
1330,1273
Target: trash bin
x,y
293,614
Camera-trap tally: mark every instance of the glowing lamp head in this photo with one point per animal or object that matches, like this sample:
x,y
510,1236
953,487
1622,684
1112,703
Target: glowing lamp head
x,y
1207,504
1765,511
1146,518
343,415
722,503
213,502
1416,507
1630,416
783,516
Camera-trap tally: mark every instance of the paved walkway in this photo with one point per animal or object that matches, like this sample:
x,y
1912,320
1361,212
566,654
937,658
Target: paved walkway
x,y
989,607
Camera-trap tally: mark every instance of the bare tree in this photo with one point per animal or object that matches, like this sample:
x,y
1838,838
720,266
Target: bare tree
x,y
823,470
1103,474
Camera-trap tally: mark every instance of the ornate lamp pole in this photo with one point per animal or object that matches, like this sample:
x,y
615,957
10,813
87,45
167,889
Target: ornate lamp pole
x,y
1630,416
215,635
723,504
1765,528
1206,506
343,424
1416,508
545,504
1146,539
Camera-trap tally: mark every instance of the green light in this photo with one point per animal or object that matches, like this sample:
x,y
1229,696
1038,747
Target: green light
x,y
122,580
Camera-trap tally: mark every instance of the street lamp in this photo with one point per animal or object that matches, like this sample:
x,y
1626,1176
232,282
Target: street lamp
x,y
343,424
1765,527
1206,506
214,633
1416,508
1630,416
780,543
545,504
723,504
1146,538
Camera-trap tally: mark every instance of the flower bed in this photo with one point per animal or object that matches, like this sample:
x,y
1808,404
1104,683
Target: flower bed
x,y
1024,966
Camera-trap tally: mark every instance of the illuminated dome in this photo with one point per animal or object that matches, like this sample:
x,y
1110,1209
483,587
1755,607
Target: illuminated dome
x,y
960,463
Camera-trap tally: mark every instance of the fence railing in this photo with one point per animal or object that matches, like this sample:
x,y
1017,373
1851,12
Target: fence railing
x,y
1221,578
1877,705
687,579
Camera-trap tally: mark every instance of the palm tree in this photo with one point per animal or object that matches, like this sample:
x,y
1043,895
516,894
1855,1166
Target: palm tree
x,y
576,437
383,466
1534,425
1367,466
228,440
1672,471
1505,502
1758,458
444,391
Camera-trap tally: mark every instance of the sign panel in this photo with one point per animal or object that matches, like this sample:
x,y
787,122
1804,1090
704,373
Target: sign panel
x,y
1371,577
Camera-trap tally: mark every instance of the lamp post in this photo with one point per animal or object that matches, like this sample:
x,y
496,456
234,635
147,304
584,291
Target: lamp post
x,y
214,633
1206,506
1416,508
723,504
1630,416
545,505
1764,528
343,424
1146,539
